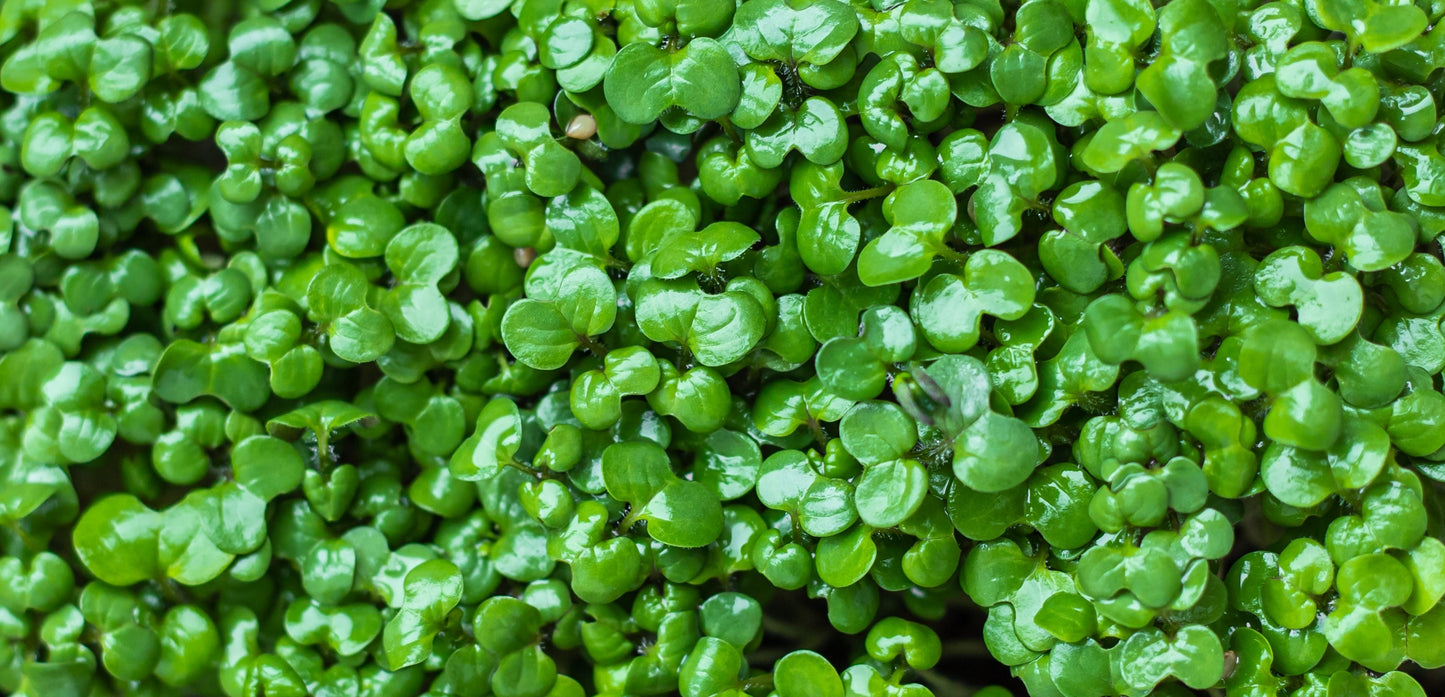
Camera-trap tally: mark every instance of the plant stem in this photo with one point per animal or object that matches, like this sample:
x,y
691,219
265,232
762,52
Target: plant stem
x,y
966,648
524,467
732,132
31,543
865,194
629,520
782,629
594,346
762,683
819,434
942,685
952,254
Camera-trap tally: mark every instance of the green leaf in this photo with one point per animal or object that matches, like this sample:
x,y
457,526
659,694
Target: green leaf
x,y
893,637
728,464
949,308
267,467
717,329
711,668
816,130
188,370
644,81
683,514
604,572
792,31
1193,655
494,442
540,335
321,418
119,67
703,251
1379,27
889,493
1328,304
995,453
346,629
920,215
1124,140
231,92
876,432
116,540
431,589
805,673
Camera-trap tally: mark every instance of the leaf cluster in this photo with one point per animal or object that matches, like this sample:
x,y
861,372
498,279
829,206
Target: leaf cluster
x,y
736,348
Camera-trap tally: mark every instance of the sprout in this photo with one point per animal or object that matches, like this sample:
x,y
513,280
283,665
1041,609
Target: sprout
x,y
773,348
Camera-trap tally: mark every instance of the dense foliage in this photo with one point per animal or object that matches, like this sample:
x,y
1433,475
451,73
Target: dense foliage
x,y
550,348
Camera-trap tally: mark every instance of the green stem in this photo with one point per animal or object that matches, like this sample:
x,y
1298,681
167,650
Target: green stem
x,y
524,467
865,194
613,262
951,254
593,345
1150,166
728,128
32,544
758,683
323,450
783,629
768,214
629,520
818,434
965,648
172,591
942,685
589,149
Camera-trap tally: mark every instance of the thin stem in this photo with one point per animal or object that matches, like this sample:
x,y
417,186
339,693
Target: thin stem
x,y
590,149
728,128
759,683
594,346
323,449
817,428
768,214
172,591
772,625
523,467
629,520
865,194
965,648
951,254
1150,166
32,543
942,685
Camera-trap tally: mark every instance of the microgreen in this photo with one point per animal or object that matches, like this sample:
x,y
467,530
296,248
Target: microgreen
x,y
722,348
